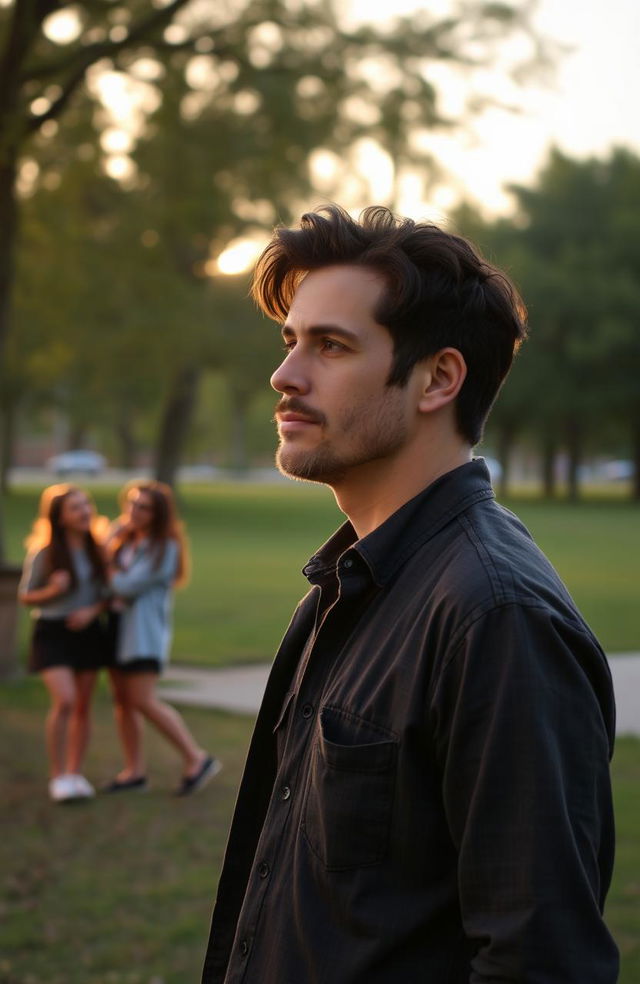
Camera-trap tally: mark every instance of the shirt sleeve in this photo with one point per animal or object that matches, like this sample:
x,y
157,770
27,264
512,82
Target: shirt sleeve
x,y
33,572
524,720
145,574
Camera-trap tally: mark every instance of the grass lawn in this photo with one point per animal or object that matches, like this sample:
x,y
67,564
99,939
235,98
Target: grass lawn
x,y
250,542
119,890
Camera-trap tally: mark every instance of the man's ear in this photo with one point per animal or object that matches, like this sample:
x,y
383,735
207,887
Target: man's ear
x,y
443,376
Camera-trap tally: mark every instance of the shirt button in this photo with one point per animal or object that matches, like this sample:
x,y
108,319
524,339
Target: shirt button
x,y
285,793
244,947
263,869
347,563
307,710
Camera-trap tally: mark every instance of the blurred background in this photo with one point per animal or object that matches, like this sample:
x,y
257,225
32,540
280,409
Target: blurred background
x,y
147,149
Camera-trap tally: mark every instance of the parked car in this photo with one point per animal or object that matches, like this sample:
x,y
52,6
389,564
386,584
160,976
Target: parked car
x,y
617,471
80,462
606,471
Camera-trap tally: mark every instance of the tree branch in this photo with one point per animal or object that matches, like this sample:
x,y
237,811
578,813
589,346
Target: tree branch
x,y
104,49
93,53
35,122
24,28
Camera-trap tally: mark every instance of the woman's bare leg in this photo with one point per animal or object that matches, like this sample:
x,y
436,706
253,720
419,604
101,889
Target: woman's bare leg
x,y
59,681
141,694
80,721
129,725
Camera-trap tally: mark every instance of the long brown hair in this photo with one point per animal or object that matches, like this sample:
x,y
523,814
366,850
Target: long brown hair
x,y
165,525
47,533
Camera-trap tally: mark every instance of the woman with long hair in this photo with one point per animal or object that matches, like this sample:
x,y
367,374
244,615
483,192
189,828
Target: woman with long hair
x,y
64,583
149,558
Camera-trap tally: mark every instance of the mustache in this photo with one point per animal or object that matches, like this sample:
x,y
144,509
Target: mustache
x,y
293,404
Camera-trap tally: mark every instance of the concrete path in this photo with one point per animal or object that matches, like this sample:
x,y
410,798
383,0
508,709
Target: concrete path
x,y
240,688
233,688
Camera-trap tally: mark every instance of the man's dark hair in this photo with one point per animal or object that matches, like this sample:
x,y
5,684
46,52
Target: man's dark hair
x,y
440,293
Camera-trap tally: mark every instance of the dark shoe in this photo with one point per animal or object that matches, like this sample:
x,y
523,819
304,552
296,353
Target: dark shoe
x,y
191,784
122,785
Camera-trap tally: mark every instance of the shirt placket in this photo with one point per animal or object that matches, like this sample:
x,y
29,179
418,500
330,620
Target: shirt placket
x,y
317,659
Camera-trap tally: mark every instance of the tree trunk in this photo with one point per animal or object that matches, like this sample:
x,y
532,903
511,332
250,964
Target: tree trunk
x,y
548,464
176,420
573,433
8,236
126,438
7,440
77,435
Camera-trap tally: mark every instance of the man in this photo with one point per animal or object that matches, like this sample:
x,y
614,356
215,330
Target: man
x,y
427,795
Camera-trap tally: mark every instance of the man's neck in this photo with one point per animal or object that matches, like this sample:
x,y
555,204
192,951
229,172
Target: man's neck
x,y
370,494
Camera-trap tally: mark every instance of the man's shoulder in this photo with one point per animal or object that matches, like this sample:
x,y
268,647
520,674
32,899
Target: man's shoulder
x,y
485,558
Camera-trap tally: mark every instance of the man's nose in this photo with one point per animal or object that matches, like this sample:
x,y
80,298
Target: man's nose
x,y
291,376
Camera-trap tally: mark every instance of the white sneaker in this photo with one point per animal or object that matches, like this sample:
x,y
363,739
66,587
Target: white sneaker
x,y
82,786
62,789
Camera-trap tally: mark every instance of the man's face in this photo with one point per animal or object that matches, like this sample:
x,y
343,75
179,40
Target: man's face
x,y
337,413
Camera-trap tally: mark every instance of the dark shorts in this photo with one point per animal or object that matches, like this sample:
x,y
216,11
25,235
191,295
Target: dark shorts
x,y
53,644
141,664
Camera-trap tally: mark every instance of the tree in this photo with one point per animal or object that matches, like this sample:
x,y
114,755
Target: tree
x,y
38,81
284,83
581,271
245,121
501,242
573,248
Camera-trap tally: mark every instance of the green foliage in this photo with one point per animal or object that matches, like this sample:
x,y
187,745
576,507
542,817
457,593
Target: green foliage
x,y
584,275
114,304
572,246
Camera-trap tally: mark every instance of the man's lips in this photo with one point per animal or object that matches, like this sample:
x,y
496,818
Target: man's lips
x,y
295,417
291,422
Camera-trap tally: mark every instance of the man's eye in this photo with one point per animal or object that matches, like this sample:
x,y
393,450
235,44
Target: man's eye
x,y
288,346
329,345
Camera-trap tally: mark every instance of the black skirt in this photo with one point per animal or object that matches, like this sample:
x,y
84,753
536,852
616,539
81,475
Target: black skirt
x,y
53,644
141,664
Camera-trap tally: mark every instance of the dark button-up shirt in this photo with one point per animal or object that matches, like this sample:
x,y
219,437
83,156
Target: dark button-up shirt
x,y
427,795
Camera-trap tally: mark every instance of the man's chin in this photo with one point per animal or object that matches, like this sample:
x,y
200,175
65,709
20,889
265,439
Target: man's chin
x,y
307,467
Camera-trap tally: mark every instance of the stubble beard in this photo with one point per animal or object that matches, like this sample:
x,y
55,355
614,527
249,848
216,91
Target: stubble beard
x,y
375,435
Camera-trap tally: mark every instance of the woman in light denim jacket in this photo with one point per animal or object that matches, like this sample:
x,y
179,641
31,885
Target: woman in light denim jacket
x,y
148,558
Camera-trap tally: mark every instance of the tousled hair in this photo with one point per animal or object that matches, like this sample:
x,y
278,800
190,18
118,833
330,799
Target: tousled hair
x,y
165,525
440,293
48,534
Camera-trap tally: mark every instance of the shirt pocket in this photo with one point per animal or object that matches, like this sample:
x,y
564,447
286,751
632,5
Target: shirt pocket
x,y
349,801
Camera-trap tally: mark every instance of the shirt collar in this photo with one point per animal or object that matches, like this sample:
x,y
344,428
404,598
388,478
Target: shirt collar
x,y
389,546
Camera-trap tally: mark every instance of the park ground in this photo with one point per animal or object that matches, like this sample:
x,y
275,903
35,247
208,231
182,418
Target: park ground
x,y
119,890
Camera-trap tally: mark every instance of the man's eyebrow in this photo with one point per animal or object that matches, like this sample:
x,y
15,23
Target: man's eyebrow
x,y
317,330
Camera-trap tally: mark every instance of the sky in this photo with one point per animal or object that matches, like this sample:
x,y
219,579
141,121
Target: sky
x,y
585,106
588,104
